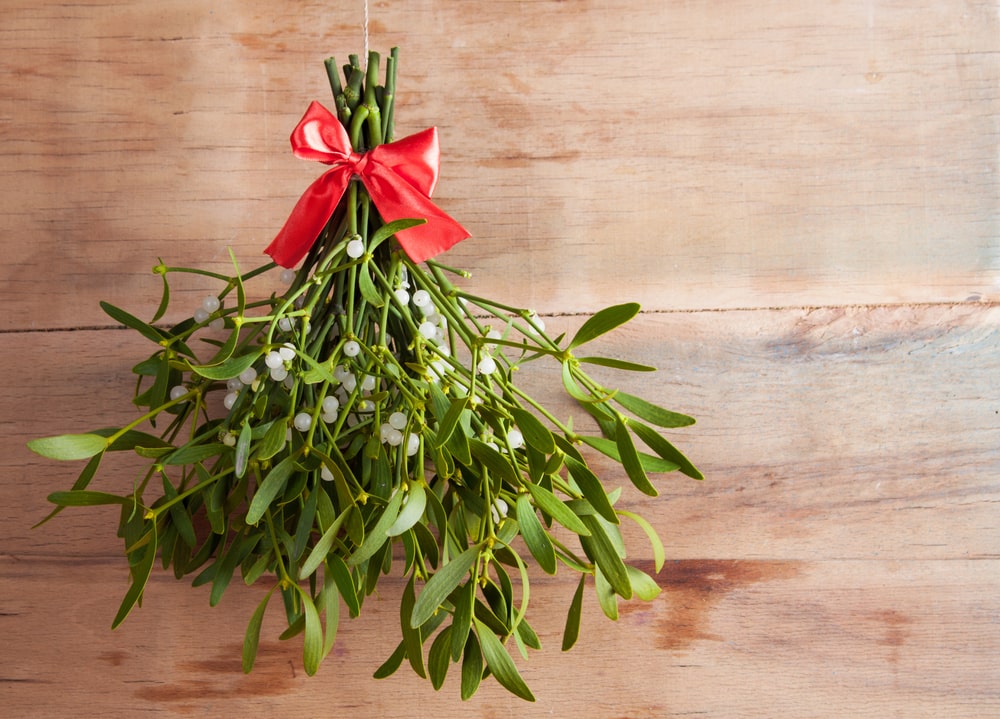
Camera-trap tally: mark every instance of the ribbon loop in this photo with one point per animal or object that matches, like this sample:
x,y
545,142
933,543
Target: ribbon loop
x,y
399,176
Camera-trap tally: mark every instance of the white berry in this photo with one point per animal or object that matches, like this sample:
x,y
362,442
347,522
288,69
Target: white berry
x,y
248,375
355,248
487,365
397,420
178,392
303,421
287,276
352,348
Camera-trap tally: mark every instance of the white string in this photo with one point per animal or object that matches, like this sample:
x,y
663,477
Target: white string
x,y
365,57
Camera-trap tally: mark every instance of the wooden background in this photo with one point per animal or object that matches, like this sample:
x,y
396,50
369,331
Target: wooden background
x,y
803,196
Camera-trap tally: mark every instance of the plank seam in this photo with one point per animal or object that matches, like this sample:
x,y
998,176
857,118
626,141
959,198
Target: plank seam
x,y
986,305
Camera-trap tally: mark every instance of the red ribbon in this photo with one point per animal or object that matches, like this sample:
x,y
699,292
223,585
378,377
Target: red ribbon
x,y
399,176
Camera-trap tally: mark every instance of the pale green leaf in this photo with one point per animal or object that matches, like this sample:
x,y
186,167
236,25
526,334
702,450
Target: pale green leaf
x,y
69,446
604,321
441,584
501,664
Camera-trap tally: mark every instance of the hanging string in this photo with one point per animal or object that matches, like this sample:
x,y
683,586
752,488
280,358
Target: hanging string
x,y
365,56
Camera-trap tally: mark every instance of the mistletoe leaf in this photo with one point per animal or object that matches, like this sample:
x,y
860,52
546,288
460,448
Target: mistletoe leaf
x,y
232,367
651,412
604,321
617,364
133,322
572,630
441,584
252,638
535,536
68,447
500,663
412,511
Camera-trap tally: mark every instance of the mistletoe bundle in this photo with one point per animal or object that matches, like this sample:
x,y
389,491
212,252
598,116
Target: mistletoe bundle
x,y
367,422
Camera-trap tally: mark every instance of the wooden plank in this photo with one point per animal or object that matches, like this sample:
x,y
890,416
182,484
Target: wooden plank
x,y
840,433
749,638
807,155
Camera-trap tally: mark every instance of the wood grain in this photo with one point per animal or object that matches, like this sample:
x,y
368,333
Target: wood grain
x,y
816,155
804,197
841,558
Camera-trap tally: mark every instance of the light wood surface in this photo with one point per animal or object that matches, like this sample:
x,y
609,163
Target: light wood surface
x,y
804,197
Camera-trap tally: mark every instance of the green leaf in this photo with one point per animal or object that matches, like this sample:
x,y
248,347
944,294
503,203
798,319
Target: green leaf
x,y
242,449
572,388
377,536
164,298
191,453
331,603
132,439
252,638
441,584
572,631
312,645
534,432
273,484
120,315
662,447
461,621
86,498
140,575
412,510
338,569
535,536
649,462
592,489
274,440
659,555
604,321
617,364
322,547
495,462
368,289
644,586
500,663
390,665
439,658
602,551
388,230
651,412
606,596
69,446
232,367
179,515
411,633
226,565
552,506
631,461
472,667
450,421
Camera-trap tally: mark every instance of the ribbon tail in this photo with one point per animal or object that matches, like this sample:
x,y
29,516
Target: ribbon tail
x,y
308,218
398,200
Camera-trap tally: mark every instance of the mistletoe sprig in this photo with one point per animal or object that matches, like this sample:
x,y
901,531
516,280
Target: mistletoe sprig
x,y
368,419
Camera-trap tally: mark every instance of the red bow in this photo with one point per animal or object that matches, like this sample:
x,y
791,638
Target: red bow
x,y
399,176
